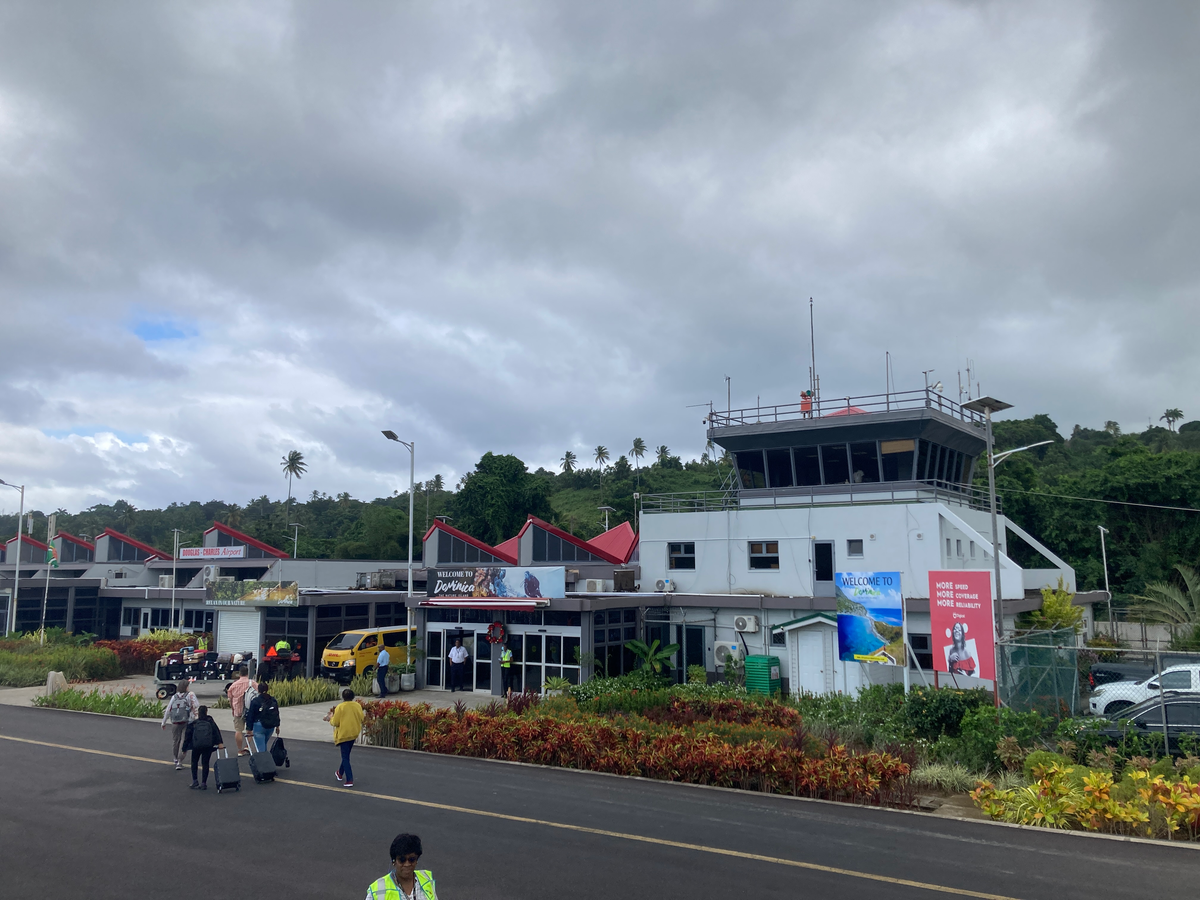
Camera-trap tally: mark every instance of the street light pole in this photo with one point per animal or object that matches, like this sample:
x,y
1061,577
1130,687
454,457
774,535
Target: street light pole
x,y
1112,623
412,470
174,569
295,526
11,618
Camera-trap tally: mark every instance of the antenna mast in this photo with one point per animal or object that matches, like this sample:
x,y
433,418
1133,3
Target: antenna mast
x,y
812,337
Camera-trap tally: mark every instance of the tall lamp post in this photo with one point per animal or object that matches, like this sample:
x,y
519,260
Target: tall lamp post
x,y
1112,623
412,470
295,526
11,618
987,406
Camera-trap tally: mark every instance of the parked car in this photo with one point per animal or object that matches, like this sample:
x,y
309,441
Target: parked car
x,y
1111,698
1183,719
1103,673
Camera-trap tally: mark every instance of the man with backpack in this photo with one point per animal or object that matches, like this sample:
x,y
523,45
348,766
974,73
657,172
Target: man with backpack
x,y
181,710
262,716
204,737
239,692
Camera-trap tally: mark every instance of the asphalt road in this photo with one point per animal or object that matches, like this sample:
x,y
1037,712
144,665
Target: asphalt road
x,y
101,824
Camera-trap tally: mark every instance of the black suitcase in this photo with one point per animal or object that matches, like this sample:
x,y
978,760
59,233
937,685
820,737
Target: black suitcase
x,y
226,773
279,753
262,766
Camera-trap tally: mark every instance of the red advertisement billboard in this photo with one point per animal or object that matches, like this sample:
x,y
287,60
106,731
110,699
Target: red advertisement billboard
x,y
960,614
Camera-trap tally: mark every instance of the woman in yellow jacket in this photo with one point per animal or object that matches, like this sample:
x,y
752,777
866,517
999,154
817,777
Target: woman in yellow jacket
x,y
347,721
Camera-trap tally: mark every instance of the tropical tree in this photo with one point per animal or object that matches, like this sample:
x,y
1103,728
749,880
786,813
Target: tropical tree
x,y
663,453
293,467
637,451
233,516
498,497
1167,603
126,512
601,453
568,461
1171,416
652,656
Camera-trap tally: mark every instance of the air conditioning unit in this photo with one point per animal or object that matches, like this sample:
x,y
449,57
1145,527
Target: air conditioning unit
x,y
225,578
594,586
382,580
722,649
745,624
165,581
666,585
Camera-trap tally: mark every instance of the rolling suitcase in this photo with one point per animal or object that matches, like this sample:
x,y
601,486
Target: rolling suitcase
x,y
226,773
279,753
262,766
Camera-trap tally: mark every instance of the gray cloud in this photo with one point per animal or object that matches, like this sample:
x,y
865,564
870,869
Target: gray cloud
x,y
528,228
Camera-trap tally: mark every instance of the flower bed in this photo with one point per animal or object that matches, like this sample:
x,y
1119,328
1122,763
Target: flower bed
x,y
138,656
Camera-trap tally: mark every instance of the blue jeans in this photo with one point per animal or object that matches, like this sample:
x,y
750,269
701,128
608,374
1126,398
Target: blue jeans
x,y
262,735
381,677
344,769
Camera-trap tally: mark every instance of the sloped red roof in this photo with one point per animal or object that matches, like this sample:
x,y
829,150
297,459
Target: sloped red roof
x,y
26,539
510,549
76,540
570,538
618,541
505,555
247,540
152,551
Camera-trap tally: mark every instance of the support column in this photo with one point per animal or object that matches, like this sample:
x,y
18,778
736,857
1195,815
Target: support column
x,y
70,623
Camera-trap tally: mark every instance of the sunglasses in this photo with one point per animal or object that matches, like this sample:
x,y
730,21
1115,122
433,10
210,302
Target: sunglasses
x,y
410,860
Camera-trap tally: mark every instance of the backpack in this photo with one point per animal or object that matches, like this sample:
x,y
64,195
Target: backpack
x,y
268,713
248,697
203,737
179,710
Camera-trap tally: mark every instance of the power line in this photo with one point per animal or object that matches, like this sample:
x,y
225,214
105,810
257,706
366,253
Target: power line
x,y
1096,500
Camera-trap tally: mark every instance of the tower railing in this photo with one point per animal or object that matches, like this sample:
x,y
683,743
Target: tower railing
x,y
824,407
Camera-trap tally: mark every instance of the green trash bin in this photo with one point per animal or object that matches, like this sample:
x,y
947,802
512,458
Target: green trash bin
x,y
762,675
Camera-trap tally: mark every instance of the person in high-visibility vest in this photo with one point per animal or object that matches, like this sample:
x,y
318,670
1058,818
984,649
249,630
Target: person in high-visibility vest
x,y
283,648
506,672
404,878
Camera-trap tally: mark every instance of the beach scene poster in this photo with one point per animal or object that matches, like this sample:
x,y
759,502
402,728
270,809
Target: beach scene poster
x,y
870,617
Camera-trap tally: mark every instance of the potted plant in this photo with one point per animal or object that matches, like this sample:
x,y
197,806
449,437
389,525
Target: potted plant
x,y
408,669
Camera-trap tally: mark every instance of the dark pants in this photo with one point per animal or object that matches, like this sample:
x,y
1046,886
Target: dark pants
x,y
344,769
456,676
506,679
381,677
203,760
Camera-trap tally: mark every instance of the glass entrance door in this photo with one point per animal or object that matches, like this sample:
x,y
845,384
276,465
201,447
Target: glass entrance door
x,y
481,660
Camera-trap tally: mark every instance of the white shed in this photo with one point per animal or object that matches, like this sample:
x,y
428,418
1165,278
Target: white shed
x,y
812,648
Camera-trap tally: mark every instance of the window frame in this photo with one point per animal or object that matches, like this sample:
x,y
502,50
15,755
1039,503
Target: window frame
x,y
763,553
850,551
682,554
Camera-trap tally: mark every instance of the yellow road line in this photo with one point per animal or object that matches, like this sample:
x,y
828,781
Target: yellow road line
x,y
562,826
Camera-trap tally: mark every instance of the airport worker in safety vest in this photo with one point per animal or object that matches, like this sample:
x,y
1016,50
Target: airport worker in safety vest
x,y
506,672
404,881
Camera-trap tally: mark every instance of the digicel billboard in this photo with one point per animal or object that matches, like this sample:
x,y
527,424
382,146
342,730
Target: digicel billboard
x,y
960,615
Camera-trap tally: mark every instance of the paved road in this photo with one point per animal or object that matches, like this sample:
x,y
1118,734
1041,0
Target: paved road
x,y
101,825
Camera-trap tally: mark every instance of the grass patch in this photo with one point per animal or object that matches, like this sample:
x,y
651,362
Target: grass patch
x,y
299,691
28,665
115,703
950,778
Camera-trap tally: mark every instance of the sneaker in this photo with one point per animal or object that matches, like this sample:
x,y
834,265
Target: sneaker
x,y
195,785
337,775
204,787
349,784
178,766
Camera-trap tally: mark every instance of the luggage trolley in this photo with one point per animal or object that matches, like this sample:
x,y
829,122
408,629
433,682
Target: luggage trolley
x,y
197,665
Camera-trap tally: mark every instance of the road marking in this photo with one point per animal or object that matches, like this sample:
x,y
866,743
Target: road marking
x,y
563,826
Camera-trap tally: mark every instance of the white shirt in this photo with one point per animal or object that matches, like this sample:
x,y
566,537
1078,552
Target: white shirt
x,y
384,658
458,654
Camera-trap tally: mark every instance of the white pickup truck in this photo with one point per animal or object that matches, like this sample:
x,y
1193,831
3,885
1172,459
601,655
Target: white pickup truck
x,y
1115,696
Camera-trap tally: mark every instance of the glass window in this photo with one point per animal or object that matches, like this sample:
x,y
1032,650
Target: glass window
x,y
1176,681
630,615
864,463
834,464
924,452
958,548
808,466
897,459
524,617
472,553
477,616
751,468
562,618
553,547
571,649
440,614
1152,716
779,468
681,555
614,635
598,618
764,554
614,617
854,547
539,545
630,632
554,649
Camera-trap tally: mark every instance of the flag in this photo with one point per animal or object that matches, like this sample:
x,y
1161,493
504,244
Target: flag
x,y
52,556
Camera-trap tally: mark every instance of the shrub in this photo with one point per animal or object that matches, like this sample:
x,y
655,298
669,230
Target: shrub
x,y
29,668
299,691
931,713
115,703
951,778
634,681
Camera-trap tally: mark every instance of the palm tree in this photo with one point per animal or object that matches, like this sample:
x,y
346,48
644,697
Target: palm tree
x,y
637,451
125,515
293,467
233,516
663,453
568,461
1165,602
1171,416
601,458
653,656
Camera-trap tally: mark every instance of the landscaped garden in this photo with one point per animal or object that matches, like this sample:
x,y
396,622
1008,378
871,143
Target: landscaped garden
x,y
26,660
99,700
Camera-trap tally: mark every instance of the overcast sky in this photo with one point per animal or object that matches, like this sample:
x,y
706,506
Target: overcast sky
x,y
232,230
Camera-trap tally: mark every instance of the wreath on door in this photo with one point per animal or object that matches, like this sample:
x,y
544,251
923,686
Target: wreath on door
x,y
495,633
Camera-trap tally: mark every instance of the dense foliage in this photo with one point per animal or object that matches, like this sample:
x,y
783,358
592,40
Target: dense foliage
x,y
114,703
25,663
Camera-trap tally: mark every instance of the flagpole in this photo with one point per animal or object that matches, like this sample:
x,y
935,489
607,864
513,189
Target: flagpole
x,y
50,555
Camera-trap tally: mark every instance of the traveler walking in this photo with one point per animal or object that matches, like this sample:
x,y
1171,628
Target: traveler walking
x,y
179,712
404,881
506,671
204,737
347,721
237,705
262,716
458,659
381,670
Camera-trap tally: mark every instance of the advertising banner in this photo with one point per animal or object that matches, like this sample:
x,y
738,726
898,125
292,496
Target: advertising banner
x,y
499,583
870,617
238,552
960,617
252,593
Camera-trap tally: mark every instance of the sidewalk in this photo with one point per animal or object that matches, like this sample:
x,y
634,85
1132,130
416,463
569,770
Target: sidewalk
x,y
304,723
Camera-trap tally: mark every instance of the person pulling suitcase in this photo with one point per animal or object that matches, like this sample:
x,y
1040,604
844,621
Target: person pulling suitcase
x,y
204,737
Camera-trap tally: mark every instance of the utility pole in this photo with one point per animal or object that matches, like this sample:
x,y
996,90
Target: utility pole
x,y
1112,623
11,617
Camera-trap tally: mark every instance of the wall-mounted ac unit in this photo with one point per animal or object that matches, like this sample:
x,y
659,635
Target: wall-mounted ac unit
x,y
722,649
164,581
665,585
594,586
225,578
745,624
382,581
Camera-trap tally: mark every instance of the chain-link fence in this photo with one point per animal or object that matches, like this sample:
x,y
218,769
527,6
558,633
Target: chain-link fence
x,y
1039,671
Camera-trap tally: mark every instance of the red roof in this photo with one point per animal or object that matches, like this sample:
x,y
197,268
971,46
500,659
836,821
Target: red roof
x,y
618,541
26,539
848,411
75,540
506,555
151,551
570,538
247,540
510,549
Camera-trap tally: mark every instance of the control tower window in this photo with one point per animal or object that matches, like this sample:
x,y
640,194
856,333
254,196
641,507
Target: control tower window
x,y
864,463
897,459
808,466
835,463
779,468
751,468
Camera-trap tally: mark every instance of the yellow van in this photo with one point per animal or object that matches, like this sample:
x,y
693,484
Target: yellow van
x,y
355,652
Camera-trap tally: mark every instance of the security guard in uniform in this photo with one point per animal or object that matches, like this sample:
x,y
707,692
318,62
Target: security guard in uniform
x,y
404,881
506,672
